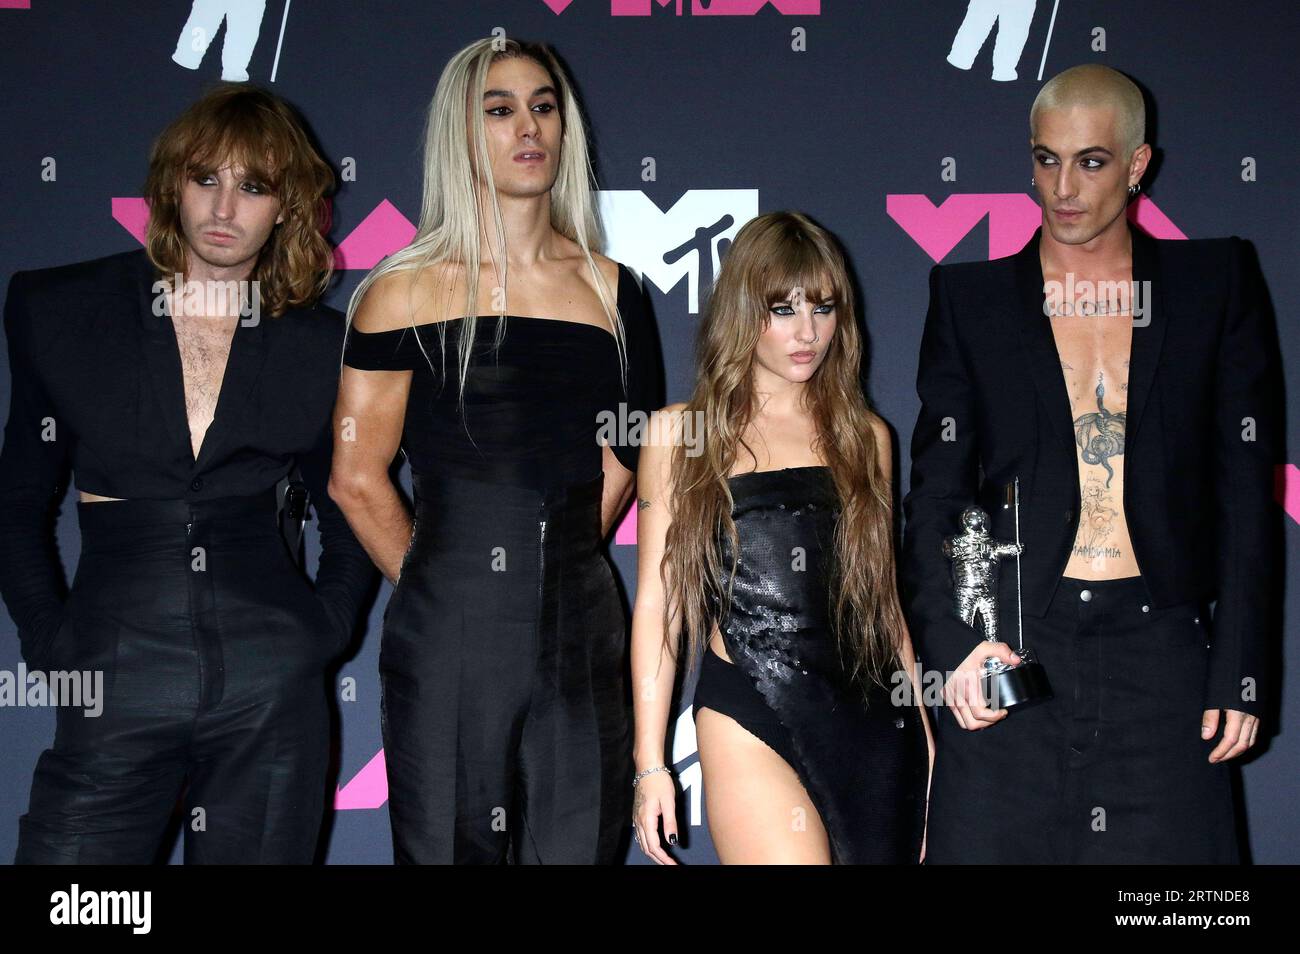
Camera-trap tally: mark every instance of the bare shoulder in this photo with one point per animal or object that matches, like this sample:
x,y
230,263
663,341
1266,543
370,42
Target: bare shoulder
x,y
884,443
663,433
669,418
574,259
880,429
398,299
608,268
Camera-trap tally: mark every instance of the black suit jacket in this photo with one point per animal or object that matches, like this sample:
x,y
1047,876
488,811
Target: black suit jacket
x,y
1203,435
97,389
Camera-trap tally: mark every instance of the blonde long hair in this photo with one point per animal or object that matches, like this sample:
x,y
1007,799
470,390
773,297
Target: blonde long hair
x,y
450,214
771,255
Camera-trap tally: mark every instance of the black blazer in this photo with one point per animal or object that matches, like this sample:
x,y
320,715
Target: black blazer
x,y
97,389
1198,497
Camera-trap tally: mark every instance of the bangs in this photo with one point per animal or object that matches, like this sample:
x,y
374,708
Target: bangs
x,y
812,275
243,141
260,137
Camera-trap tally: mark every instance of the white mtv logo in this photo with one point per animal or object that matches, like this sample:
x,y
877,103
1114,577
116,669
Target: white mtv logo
x,y
691,778
669,246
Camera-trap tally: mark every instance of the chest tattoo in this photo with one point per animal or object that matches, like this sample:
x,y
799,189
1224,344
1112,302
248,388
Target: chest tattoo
x,y
1100,434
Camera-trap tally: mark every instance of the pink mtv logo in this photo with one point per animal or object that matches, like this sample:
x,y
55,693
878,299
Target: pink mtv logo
x,y
133,215
705,8
367,789
1013,217
382,232
625,535
1286,489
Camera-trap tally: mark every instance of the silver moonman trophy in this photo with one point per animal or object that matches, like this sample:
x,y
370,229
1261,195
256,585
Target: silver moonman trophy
x,y
975,557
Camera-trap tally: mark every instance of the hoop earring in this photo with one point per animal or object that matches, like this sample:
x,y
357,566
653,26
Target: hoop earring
x,y
1032,183
1134,189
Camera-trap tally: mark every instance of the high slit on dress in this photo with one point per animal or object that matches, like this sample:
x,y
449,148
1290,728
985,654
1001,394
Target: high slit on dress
x,y
865,766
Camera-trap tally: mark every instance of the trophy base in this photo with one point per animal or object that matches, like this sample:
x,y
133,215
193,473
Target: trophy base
x,y
1017,687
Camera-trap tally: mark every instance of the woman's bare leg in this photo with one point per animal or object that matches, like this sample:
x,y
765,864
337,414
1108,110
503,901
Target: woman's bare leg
x,y
759,812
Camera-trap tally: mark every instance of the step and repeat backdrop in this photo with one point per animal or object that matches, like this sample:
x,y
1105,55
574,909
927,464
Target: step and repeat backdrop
x,y
901,127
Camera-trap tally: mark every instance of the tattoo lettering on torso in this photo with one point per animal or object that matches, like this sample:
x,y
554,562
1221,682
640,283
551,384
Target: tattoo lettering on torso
x,y
1094,355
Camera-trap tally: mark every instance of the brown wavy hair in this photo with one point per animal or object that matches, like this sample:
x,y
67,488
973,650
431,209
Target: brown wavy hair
x,y
772,255
257,130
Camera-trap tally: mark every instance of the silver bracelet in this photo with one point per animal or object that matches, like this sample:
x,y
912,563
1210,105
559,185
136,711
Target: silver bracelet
x,y
658,768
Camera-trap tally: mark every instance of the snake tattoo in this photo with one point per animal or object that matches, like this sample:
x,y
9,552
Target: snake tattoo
x,y
1100,435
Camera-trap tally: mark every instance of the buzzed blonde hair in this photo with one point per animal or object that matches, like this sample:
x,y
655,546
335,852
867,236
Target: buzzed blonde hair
x,y
1095,85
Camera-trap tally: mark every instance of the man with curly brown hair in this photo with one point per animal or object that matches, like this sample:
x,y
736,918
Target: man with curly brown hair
x,y
177,385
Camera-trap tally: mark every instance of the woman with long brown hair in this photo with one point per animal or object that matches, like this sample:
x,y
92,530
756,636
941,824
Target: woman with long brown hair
x,y
765,549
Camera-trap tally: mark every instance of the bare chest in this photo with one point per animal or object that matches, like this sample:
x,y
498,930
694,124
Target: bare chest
x,y
774,444
1092,325
1094,355
1093,331
204,345
563,292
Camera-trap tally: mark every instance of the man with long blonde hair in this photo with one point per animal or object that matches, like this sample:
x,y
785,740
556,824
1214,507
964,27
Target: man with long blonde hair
x,y
179,384
505,717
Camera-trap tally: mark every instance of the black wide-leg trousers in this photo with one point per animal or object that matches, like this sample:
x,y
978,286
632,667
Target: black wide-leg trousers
x,y
504,711
213,649
1111,770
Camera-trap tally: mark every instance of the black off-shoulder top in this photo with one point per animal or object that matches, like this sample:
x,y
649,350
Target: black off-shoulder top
x,y
538,408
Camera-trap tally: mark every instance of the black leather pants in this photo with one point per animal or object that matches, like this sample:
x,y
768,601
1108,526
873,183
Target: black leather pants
x,y
213,648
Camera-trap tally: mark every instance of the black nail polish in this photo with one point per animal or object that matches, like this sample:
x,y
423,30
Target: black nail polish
x,y
672,839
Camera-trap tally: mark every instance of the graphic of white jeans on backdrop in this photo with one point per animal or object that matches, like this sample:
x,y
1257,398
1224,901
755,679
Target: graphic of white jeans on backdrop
x,y
243,23
1013,18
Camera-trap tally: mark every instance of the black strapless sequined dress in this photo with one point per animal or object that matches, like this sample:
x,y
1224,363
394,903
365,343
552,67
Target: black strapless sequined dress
x,y
864,765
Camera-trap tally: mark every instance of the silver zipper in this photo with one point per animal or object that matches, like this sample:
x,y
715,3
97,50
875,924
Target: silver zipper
x,y
541,564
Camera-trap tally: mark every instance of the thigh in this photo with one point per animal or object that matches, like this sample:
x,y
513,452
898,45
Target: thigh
x,y
105,791
758,810
76,818
456,670
997,793
1153,796
257,780
260,738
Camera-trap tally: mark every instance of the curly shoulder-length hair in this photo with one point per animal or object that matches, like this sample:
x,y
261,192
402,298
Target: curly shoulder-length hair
x,y
258,131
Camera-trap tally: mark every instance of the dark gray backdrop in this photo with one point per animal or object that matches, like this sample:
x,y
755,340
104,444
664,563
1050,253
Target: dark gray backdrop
x,y
737,122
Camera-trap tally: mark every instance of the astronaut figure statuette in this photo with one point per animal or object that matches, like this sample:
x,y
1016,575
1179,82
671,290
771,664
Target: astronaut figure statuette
x,y
975,556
